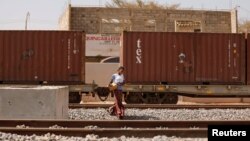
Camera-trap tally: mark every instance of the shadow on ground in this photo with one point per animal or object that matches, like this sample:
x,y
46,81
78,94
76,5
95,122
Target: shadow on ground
x,y
134,117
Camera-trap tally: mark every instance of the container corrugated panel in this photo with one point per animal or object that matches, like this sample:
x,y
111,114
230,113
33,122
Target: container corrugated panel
x,y
37,56
158,57
220,58
248,59
175,58
1,56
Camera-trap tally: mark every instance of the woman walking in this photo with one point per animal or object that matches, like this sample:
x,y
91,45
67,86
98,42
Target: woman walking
x,y
116,84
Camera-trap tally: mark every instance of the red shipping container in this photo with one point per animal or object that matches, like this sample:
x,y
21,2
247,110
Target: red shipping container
x,y
220,58
38,56
183,58
157,57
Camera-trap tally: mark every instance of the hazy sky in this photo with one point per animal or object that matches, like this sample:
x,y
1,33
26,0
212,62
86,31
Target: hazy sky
x,y
44,14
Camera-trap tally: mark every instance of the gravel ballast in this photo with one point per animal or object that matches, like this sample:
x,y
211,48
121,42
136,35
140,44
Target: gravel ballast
x,y
52,137
162,114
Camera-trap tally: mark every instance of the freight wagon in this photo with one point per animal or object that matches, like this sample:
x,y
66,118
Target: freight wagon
x,y
162,65
159,65
45,58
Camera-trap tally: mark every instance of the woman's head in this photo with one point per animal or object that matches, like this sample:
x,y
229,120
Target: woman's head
x,y
120,70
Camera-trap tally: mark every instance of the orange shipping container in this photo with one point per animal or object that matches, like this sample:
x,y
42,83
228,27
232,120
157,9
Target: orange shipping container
x,y
183,58
38,56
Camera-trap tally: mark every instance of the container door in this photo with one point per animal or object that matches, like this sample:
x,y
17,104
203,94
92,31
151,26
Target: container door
x,y
1,55
74,56
219,58
183,60
236,58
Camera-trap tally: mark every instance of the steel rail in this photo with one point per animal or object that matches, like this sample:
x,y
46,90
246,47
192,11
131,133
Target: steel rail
x,y
161,106
110,132
115,128
118,123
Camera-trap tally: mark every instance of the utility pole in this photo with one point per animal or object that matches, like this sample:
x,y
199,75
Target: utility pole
x,y
26,20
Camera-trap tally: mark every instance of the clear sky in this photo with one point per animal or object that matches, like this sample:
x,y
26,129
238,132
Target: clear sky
x,y
44,14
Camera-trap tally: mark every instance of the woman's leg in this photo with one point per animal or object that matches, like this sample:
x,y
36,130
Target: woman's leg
x,y
118,103
112,109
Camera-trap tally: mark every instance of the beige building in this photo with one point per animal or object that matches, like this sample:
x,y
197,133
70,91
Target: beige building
x,y
95,20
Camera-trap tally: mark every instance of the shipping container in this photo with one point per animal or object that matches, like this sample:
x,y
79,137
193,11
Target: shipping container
x,y
156,57
42,56
220,58
183,58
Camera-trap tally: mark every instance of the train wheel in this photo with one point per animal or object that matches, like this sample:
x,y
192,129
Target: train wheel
x,y
151,98
170,98
103,93
132,98
74,97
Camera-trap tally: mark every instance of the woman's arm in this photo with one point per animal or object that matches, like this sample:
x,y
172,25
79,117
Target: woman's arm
x,y
112,79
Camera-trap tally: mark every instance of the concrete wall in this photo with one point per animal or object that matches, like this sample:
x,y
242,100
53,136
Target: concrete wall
x,y
101,73
34,102
234,21
114,20
64,19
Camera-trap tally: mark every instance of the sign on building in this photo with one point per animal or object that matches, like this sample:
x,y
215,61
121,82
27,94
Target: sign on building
x,y
103,44
188,26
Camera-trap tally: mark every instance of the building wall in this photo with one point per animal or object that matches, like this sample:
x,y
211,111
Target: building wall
x,y
64,20
114,20
234,21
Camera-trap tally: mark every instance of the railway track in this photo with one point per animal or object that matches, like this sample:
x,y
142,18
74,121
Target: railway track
x,y
161,106
113,132
137,128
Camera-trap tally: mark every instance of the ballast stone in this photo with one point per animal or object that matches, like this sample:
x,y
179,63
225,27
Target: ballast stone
x,y
34,102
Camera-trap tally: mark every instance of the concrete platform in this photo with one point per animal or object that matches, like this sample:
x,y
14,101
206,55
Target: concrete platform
x,y
34,102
